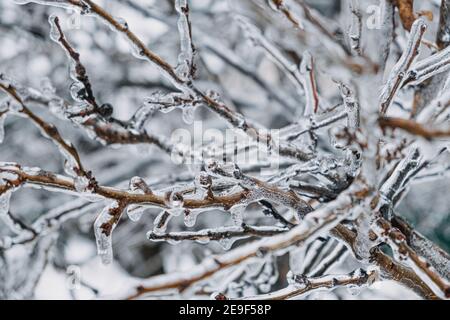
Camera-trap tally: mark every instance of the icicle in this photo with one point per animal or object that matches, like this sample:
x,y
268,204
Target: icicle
x,y
173,242
142,115
161,221
54,32
57,3
306,70
204,240
236,214
226,243
103,235
188,114
190,217
351,107
186,56
135,212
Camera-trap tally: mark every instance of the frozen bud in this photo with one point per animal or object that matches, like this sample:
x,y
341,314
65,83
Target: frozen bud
x,y
122,23
105,110
211,166
218,296
174,199
204,180
81,183
78,91
297,280
190,217
214,95
237,173
138,184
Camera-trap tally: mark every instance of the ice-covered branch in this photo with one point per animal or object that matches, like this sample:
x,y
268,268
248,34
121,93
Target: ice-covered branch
x,y
206,235
73,163
404,253
301,286
428,67
314,225
399,72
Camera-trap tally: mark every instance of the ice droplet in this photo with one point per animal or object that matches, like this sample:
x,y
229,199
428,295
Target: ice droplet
x,y
265,287
81,183
173,241
190,218
137,52
54,32
205,240
353,289
123,24
226,243
77,91
134,212
188,114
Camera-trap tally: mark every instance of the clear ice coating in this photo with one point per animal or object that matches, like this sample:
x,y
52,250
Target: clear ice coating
x,y
186,56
